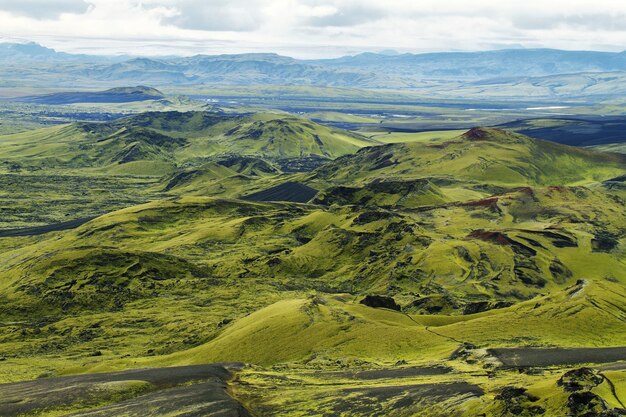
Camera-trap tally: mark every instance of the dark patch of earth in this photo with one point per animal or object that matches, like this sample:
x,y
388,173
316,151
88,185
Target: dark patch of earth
x,y
379,401
529,357
388,373
199,390
40,230
289,191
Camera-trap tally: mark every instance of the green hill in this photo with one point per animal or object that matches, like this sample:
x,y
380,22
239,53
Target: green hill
x,y
507,248
481,156
497,255
611,147
386,193
337,326
228,175
153,143
274,137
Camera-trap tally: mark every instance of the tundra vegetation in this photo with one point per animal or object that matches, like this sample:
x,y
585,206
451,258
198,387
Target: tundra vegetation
x,y
164,256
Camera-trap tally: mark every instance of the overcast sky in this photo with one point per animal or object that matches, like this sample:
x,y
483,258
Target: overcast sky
x,y
312,28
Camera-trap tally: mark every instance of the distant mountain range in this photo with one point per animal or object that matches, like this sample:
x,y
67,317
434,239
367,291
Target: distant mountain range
x,y
34,51
48,68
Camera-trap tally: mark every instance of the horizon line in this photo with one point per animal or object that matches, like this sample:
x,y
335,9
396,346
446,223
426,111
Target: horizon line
x,y
389,52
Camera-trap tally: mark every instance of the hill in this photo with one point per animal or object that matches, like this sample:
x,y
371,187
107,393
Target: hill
x,y
386,193
158,142
227,175
279,284
29,51
479,158
113,95
495,263
225,69
290,137
443,258
611,147
573,131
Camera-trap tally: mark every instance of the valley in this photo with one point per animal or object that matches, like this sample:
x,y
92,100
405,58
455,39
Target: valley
x,y
191,238
256,235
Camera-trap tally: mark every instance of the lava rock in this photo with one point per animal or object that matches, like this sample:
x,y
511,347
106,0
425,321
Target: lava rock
x,y
380,301
518,402
586,402
580,379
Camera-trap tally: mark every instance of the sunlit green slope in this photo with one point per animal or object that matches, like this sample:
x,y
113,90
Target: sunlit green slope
x,y
481,156
154,143
488,240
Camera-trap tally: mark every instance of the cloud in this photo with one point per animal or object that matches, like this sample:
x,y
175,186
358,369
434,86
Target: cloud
x,y
216,15
350,14
44,9
594,21
313,28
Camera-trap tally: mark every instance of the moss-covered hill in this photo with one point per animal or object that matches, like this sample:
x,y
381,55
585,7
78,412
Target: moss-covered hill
x,y
482,156
491,258
156,143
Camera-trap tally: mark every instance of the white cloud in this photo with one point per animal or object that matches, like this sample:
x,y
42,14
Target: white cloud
x,y
312,27
216,15
41,9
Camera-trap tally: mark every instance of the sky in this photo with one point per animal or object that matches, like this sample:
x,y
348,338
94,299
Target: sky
x,y
312,28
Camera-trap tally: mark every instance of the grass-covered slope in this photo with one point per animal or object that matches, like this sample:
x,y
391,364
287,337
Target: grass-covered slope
x,y
289,137
297,329
83,145
476,245
481,156
454,258
386,193
228,175
154,143
611,147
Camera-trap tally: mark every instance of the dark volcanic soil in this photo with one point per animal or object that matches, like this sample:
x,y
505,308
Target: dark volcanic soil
x,y
379,401
40,230
527,357
199,400
403,372
189,390
389,373
289,191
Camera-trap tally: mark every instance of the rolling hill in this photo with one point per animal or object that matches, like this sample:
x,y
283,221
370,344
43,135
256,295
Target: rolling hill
x,y
495,262
227,175
480,157
154,143
611,147
279,284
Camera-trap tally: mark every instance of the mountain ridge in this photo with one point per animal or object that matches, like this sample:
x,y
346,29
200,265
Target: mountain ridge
x,y
369,70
